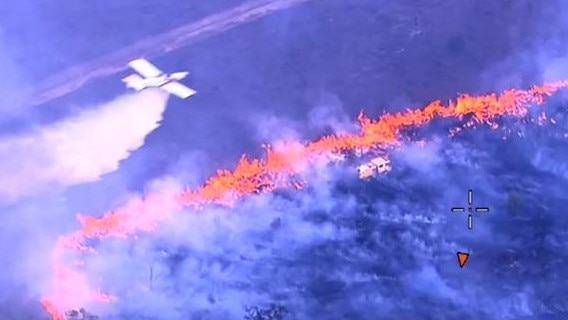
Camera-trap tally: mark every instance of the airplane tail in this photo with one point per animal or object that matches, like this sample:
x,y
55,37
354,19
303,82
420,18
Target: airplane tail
x,y
134,82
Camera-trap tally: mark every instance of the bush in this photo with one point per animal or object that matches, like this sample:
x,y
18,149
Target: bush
x,y
273,312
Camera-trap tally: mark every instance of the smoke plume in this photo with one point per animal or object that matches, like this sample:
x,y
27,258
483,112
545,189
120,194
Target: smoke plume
x,y
80,148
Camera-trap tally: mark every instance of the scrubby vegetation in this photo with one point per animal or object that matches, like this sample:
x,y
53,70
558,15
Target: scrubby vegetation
x,y
272,312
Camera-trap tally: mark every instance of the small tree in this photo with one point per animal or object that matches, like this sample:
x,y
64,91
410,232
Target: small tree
x,y
273,312
514,204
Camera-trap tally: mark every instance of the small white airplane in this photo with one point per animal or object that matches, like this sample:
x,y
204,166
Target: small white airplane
x,y
153,77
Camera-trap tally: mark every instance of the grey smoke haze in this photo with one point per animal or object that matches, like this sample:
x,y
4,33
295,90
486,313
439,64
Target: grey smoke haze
x,y
341,248
36,169
370,56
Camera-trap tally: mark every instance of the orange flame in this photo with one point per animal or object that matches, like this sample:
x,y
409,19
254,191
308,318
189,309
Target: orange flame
x,y
276,170
54,312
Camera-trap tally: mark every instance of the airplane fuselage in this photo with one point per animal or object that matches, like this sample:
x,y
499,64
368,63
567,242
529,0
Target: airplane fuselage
x,y
163,79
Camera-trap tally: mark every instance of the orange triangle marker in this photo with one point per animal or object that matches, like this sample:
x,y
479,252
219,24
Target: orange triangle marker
x,y
462,258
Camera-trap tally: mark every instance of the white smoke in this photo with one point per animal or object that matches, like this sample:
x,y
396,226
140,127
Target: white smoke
x,y
320,251
78,149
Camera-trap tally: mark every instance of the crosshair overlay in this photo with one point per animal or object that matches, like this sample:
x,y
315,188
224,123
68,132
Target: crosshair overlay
x,y
470,209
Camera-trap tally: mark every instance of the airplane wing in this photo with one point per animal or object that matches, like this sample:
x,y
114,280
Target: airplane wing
x,y
145,68
178,89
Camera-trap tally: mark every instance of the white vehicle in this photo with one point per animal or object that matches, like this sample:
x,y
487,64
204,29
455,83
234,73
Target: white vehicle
x,y
375,166
152,77
79,315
